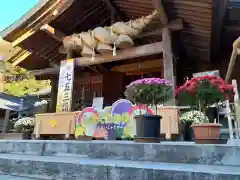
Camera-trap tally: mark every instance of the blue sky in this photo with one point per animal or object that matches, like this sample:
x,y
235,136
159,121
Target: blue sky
x,y
12,10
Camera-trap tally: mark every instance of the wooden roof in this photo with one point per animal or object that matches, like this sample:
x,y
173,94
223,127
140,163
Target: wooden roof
x,y
231,25
81,15
21,23
7,51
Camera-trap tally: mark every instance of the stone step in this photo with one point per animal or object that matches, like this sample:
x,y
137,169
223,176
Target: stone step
x,y
172,152
7,177
71,168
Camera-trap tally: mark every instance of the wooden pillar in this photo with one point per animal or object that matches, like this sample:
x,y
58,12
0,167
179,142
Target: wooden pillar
x,y
168,63
6,121
69,53
235,53
1,82
54,91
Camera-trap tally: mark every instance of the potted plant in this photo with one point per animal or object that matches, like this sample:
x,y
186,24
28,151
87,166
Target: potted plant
x,y
24,127
187,119
202,92
150,92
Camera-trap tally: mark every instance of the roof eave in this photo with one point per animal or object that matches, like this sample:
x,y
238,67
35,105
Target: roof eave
x,y
25,18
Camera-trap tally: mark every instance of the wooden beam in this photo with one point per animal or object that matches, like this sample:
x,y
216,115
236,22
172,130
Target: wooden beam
x,y
159,7
232,27
175,25
18,59
168,63
235,53
219,11
140,51
138,66
115,13
101,68
23,37
56,34
2,79
44,18
44,14
146,71
54,92
32,25
53,65
167,55
49,71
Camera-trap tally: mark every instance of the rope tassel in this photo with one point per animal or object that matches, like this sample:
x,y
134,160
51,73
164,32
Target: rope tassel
x,y
114,50
93,54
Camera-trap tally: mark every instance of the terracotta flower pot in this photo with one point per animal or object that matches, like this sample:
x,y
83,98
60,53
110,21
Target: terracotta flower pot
x,y
206,131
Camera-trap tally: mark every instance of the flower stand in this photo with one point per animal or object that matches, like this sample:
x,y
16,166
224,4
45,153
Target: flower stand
x,y
55,124
17,136
162,137
84,138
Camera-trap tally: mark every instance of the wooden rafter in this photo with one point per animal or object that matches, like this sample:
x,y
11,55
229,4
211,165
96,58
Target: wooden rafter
x,y
45,14
115,13
159,7
47,71
56,34
23,37
31,27
21,57
175,25
135,52
45,18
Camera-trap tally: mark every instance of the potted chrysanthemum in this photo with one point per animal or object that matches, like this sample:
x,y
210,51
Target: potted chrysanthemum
x,y
150,92
187,119
203,92
25,126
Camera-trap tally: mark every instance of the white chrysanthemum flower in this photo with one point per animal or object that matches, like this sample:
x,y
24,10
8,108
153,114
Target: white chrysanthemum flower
x,y
44,101
36,104
194,116
40,103
26,121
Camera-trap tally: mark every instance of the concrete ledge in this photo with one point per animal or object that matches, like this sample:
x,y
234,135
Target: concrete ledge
x,y
127,150
98,169
7,177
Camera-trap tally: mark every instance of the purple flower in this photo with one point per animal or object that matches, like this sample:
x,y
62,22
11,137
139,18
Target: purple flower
x,y
149,81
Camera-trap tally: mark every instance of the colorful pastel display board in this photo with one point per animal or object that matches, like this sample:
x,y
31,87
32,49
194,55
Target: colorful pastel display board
x,y
116,120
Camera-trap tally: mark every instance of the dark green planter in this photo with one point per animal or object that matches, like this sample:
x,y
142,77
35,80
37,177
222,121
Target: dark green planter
x,y
148,126
188,134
